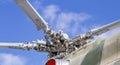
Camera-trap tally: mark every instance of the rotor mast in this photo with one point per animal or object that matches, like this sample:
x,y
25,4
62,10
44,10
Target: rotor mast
x,y
56,39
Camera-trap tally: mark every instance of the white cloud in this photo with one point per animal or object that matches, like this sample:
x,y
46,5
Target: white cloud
x,y
70,22
37,4
50,12
66,21
9,59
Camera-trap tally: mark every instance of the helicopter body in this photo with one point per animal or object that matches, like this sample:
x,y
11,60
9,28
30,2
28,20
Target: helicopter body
x,y
98,52
76,51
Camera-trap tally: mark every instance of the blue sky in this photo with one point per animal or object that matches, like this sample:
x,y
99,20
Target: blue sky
x,y
72,16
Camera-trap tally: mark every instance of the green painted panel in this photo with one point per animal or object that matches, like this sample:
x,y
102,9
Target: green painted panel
x,y
94,56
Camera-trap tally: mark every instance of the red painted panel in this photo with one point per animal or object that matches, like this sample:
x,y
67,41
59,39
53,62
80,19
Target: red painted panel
x,y
51,62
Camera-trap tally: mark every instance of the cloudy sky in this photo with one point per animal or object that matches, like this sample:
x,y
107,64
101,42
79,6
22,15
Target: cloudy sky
x,y
74,17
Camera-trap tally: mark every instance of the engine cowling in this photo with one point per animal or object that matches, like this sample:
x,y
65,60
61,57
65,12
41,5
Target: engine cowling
x,y
57,62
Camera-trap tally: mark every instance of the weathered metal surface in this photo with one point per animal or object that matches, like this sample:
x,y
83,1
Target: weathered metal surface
x,y
99,52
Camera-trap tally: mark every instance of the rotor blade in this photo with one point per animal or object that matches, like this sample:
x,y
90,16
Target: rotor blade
x,y
33,14
12,45
105,28
27,46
